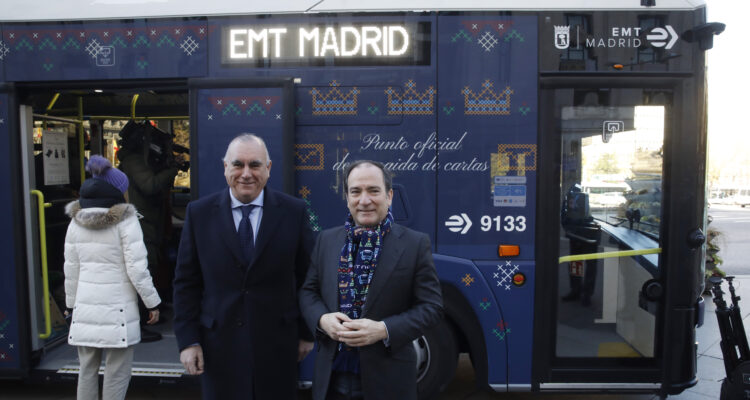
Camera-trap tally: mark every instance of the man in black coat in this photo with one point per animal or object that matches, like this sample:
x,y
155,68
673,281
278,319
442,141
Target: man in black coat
x,y
371,290
243,255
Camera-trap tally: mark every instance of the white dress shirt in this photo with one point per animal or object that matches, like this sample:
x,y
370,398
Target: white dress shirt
x,y
255,214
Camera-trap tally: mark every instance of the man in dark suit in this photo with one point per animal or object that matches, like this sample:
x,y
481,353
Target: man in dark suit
x,y
370,291
243,255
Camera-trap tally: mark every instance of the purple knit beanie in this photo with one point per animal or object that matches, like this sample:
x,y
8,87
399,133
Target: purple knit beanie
x,y
100,168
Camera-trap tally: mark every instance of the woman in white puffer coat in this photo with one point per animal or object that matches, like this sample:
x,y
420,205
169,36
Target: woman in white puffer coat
x,y
105,272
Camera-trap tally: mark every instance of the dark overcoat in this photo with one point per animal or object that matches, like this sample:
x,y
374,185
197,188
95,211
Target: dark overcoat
x,y
245,315
405,293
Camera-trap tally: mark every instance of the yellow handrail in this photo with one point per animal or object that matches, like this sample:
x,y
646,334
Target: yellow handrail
x,y
41,205
136,117
609,254
132,105
81,144
49,107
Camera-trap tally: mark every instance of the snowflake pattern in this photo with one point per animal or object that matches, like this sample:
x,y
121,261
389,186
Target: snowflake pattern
x,y
4,50
504,275
189,46
487,41
93,48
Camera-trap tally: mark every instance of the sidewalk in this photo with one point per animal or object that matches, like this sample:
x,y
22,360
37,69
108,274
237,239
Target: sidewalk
x,y
710,360
710,363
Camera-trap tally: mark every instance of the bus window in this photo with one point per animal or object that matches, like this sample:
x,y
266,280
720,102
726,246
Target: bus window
x,y
611,201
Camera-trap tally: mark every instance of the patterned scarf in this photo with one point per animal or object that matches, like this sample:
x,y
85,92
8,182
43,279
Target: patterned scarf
x,y
359,258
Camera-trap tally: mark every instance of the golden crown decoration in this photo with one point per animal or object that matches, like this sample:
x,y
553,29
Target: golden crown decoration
x,y
487,102
333,101
411,102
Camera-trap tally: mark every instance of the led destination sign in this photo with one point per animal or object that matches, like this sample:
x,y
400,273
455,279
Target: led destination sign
x,y
340,44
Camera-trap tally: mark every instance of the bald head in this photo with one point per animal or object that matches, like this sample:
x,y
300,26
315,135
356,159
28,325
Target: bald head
x,y
247,167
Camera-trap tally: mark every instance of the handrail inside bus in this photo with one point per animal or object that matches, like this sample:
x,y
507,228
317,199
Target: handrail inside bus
x,y
49,107
608,254
132,105
45,275
137,118
59,119
81,144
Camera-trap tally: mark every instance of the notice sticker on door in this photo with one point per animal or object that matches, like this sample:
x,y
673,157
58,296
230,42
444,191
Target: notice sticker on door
x,y
509,191
55,158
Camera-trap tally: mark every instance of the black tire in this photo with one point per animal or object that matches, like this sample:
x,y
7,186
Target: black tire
x,y
437,358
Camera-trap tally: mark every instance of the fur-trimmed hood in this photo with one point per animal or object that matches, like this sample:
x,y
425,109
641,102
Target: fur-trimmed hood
x,y
99,218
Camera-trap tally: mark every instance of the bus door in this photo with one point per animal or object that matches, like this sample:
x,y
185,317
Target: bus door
x,y
51,165
620,291
220,109
59,129
13,330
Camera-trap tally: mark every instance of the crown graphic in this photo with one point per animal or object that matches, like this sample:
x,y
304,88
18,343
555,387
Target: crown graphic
x,y
487,102
333,101
411,102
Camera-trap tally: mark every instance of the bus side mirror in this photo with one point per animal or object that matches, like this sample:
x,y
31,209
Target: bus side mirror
x,y
704,34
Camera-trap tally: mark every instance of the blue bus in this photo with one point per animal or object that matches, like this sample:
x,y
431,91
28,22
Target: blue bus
x,y
491,115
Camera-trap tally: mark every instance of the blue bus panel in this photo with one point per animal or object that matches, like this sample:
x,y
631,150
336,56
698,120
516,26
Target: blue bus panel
x,y
512,284
9,322
487,114
222,114
478,292
95,50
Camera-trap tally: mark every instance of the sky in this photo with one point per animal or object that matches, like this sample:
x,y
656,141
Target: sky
x,y
728,86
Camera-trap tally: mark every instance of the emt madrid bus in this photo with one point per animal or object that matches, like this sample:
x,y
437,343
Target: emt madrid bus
x,y
491,114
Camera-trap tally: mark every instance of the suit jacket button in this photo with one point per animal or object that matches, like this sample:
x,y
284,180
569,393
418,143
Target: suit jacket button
x,y
239,322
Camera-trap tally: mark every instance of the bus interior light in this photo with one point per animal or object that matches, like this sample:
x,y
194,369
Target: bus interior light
x,y
508,250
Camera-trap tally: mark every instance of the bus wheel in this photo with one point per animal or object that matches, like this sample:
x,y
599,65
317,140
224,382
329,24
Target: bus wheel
x,y
437,357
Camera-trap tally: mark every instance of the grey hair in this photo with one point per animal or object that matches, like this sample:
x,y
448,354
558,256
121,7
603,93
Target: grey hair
x,y
246,138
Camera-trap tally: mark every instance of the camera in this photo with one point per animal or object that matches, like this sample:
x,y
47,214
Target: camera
x,y
158,146
704,34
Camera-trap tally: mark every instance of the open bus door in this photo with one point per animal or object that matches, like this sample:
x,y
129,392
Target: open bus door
x,y
13,330
626,276
52,148
50,161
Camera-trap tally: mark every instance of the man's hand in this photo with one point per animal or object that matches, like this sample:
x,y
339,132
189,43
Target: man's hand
x,y
362,332
192,359
153,317
304,349
332,324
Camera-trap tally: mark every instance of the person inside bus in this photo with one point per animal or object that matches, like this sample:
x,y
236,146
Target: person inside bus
x,y
365,331
149,193
105,273
584,235
243,254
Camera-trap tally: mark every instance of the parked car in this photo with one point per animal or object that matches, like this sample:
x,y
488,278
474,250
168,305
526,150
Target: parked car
x,y
607,200
742,198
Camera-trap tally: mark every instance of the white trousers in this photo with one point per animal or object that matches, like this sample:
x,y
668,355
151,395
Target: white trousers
x,y
117,369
